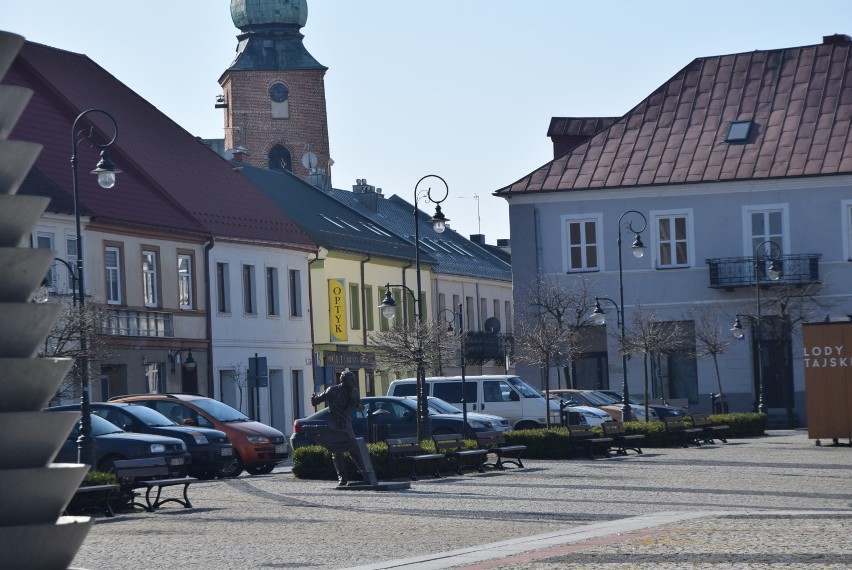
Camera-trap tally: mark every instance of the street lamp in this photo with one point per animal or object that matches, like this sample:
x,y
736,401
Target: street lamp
x,y
775,273
459,332
105,171
423,189
43,294
599,315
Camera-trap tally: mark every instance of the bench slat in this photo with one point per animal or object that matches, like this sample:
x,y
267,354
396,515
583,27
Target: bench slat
x,y
453,446
495,443
144,474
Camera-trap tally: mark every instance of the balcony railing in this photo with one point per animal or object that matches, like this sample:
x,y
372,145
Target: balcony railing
x,y
732,272
139,323
481,346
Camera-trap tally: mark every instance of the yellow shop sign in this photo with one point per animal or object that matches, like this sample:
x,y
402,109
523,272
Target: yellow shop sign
x,y
337,309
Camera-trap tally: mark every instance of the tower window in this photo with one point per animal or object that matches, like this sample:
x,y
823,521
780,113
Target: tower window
x,y
279,159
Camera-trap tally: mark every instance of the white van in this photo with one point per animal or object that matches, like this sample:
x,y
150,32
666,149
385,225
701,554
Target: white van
x,y
499,395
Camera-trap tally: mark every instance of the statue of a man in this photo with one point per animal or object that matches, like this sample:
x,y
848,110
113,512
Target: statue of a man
x,y
342,399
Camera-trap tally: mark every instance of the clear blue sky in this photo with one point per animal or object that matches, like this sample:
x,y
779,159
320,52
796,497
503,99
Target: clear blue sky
x,y
460,88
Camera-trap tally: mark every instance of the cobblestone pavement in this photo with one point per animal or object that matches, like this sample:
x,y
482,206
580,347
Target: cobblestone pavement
x,y
774,502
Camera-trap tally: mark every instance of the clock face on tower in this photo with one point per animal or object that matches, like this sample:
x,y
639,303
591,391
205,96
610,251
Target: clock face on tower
x,y
278,92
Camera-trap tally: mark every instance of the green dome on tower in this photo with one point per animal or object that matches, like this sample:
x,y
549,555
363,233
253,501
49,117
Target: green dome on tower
x,y
248,13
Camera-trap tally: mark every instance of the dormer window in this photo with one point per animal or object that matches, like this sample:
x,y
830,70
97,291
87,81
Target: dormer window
x,y
738,132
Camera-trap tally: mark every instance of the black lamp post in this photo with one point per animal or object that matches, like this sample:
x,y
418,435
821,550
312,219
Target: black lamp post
x,y
460,333
43,294
105,171
599,315
775,272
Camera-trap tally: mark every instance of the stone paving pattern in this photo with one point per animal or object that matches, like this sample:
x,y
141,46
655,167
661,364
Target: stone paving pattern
x,y
774,502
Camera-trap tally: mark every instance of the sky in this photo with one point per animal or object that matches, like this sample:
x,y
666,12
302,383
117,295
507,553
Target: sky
x,y
463,89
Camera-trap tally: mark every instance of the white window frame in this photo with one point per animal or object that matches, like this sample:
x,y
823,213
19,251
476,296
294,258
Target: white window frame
x,y
846,225
150,293
656,216
249,281
185,299
749,244
273,297
294,287
113,275
50,242
584,245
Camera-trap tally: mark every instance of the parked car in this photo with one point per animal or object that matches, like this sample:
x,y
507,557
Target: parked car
x,y
111,443
588,415
594,399
210,449
258,448
439,406
394,416
661,410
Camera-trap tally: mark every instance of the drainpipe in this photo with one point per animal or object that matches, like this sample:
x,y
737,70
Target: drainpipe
x,y
314,355
209,320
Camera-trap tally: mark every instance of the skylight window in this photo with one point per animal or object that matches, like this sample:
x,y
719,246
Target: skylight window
x,y
326,218
738,132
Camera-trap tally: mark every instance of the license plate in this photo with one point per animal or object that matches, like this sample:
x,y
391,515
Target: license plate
x,y
177,461
280,449
227,451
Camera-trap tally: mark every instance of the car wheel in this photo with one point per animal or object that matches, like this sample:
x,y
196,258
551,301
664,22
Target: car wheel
x,y
260,469
204,475
232,469
527,425
443,431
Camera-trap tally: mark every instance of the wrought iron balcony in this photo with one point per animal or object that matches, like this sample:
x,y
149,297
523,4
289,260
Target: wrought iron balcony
x,y
732,272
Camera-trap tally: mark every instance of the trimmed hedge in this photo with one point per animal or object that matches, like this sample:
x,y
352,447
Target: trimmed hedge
x,y
314,462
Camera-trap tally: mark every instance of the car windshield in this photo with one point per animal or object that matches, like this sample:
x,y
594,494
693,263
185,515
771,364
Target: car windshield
x,y
525,389
618,398
102,427
149,416
220,411
598,399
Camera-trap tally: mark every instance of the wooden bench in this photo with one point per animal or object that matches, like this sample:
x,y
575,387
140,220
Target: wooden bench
x,y
408,450
584,439
149,474
495,443
682,434
454,448
710,431
622,441
94,498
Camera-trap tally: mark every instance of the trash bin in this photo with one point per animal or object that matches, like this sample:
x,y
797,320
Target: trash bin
x,y
571,418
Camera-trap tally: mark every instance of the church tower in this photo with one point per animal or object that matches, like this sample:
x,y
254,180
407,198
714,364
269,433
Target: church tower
x,y
274,92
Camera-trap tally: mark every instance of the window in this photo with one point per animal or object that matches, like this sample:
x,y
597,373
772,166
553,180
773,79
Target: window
x,y
272,304
184,263
355,306
508,326
112,263
44,240
738,132
673,232
846,208
496,313
765,223
295,293
483,311
469,314
279,159
581,239
150,293
249,306
223,288
369,306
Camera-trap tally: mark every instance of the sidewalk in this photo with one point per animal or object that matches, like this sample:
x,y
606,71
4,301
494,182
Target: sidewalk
x,y
777,501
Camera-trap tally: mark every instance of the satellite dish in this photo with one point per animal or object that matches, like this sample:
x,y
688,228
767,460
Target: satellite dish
x,y
492,325
309,160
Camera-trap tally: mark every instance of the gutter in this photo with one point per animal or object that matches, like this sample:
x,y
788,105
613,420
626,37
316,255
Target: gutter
x,y
209,244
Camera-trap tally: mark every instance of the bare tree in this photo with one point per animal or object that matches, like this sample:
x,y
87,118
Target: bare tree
x,y
548,329
405,345
712,337
650,337
239,376
63,341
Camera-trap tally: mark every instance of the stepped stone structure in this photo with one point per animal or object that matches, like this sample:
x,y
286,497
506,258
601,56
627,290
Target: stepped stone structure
x,y
34,492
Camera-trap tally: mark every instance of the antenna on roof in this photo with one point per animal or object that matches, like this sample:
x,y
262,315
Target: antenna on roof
x,y
478,221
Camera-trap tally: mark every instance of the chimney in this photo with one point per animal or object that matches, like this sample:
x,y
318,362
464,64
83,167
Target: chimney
x,y
366,194
504,244
239,153
478,238
836,39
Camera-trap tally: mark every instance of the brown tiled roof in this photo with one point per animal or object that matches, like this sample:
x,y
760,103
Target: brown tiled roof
x,y
799,100
171,178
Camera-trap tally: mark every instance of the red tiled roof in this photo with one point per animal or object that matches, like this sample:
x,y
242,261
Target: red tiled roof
x,y
799,99
171,178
